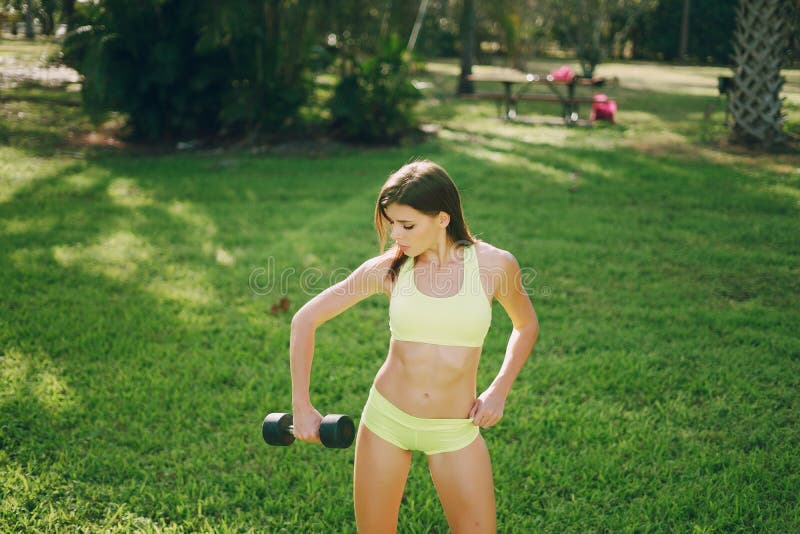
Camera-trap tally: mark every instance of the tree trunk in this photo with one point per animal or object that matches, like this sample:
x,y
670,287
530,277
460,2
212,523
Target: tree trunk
x,y
762,31
683,51
67,10
467,47
47,12
28,8
412,41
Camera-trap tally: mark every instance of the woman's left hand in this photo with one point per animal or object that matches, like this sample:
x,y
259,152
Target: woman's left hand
x,y
487,409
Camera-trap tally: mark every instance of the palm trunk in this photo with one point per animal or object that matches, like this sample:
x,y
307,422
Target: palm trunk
x,y
762,31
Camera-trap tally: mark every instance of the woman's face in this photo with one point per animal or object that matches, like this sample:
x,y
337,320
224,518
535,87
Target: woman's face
x,y
412,230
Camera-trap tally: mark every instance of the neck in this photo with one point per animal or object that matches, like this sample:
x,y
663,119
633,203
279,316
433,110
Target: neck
x,y
443,253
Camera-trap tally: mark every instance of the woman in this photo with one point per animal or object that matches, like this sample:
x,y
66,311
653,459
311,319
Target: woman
x,y
440,282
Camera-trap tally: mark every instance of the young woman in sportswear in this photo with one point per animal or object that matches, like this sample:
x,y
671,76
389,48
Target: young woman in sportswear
x,y
440,282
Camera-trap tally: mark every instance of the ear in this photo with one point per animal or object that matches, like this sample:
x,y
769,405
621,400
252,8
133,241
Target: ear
x,y
443,219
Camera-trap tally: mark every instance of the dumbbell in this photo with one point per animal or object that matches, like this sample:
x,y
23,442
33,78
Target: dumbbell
x,y
336,431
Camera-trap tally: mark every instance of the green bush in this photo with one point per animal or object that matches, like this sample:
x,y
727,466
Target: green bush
x,y
141,58
374,100
187,68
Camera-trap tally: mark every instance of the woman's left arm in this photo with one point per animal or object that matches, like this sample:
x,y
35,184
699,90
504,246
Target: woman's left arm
x,y
488,408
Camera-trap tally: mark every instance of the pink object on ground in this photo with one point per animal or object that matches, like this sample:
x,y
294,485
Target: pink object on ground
x,y
603,109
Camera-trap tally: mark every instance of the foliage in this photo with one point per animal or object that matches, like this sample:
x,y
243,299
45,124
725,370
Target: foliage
x,y
374,99
508,17
267,49
184,69
363,25
594,28
142,58
711,25
179,68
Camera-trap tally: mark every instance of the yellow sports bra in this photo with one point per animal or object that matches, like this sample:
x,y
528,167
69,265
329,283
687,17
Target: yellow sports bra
x,y
461,320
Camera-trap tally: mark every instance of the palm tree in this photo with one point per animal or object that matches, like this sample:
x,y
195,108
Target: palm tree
x,y
759,44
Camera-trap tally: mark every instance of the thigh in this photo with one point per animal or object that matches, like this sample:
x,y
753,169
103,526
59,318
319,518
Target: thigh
x,y
379,477
465,485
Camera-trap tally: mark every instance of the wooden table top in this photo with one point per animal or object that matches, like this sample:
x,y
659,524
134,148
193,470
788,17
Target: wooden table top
x,y
529,77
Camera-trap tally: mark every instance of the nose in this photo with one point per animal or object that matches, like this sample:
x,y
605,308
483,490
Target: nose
x,y
394,232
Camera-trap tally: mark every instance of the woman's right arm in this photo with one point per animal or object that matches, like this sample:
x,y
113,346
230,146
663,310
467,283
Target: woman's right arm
x,y
366,280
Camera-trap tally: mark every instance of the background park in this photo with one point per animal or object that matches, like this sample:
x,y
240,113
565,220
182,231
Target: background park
x,y
178,177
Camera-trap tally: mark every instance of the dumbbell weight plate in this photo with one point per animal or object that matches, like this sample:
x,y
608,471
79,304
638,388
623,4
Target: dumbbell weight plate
x,y
337,431
275,429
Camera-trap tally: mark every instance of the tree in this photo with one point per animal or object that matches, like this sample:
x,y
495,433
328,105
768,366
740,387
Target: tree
x,y
412,40
594,27
704,35
194,68
27,10
47,9
67,12
508,15
684,46
760,40
466,86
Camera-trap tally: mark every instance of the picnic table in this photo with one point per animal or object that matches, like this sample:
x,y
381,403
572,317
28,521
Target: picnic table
x,y
562,91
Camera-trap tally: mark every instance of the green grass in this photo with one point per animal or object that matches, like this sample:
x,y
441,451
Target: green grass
x,y
137,358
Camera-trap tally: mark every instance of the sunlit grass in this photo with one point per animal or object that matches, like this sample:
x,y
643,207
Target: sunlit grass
x,y
142,341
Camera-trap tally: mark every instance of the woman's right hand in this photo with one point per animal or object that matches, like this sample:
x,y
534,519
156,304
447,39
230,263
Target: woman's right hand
x,y
306,424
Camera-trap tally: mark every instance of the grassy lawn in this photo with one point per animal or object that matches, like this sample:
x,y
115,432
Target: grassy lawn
x,y
139,352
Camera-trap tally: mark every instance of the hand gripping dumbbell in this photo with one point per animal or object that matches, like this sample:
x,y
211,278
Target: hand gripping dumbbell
x,y
336,431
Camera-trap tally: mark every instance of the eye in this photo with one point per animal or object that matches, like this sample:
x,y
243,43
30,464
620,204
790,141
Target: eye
x,y
408,227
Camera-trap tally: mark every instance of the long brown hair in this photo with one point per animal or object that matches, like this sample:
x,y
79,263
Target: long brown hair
x,y
426,187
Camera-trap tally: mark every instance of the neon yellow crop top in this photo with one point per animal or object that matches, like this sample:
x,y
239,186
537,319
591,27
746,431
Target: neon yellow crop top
x,y
461,320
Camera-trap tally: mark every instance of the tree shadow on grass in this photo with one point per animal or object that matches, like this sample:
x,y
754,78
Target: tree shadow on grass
x,y
132,380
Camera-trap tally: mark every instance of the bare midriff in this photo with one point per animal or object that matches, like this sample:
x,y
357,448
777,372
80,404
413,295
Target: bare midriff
x,y
430,381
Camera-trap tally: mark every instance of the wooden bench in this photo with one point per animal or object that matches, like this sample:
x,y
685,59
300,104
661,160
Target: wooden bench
x,y
561,91
483,95
554,98
569,105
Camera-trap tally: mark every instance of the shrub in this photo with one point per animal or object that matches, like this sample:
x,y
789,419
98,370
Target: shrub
x,y
141,58
374,99
188,68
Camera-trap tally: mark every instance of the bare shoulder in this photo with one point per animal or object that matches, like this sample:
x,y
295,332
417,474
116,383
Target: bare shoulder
x,y
375,271
497,267
493,258
376,264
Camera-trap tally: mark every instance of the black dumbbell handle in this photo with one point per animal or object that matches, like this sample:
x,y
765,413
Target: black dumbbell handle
x,y
338,434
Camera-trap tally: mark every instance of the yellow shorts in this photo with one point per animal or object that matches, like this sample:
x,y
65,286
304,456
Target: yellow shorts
x,y
431,436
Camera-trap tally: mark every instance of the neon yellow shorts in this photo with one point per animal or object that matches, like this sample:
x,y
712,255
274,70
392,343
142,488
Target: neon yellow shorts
x,y
431,436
